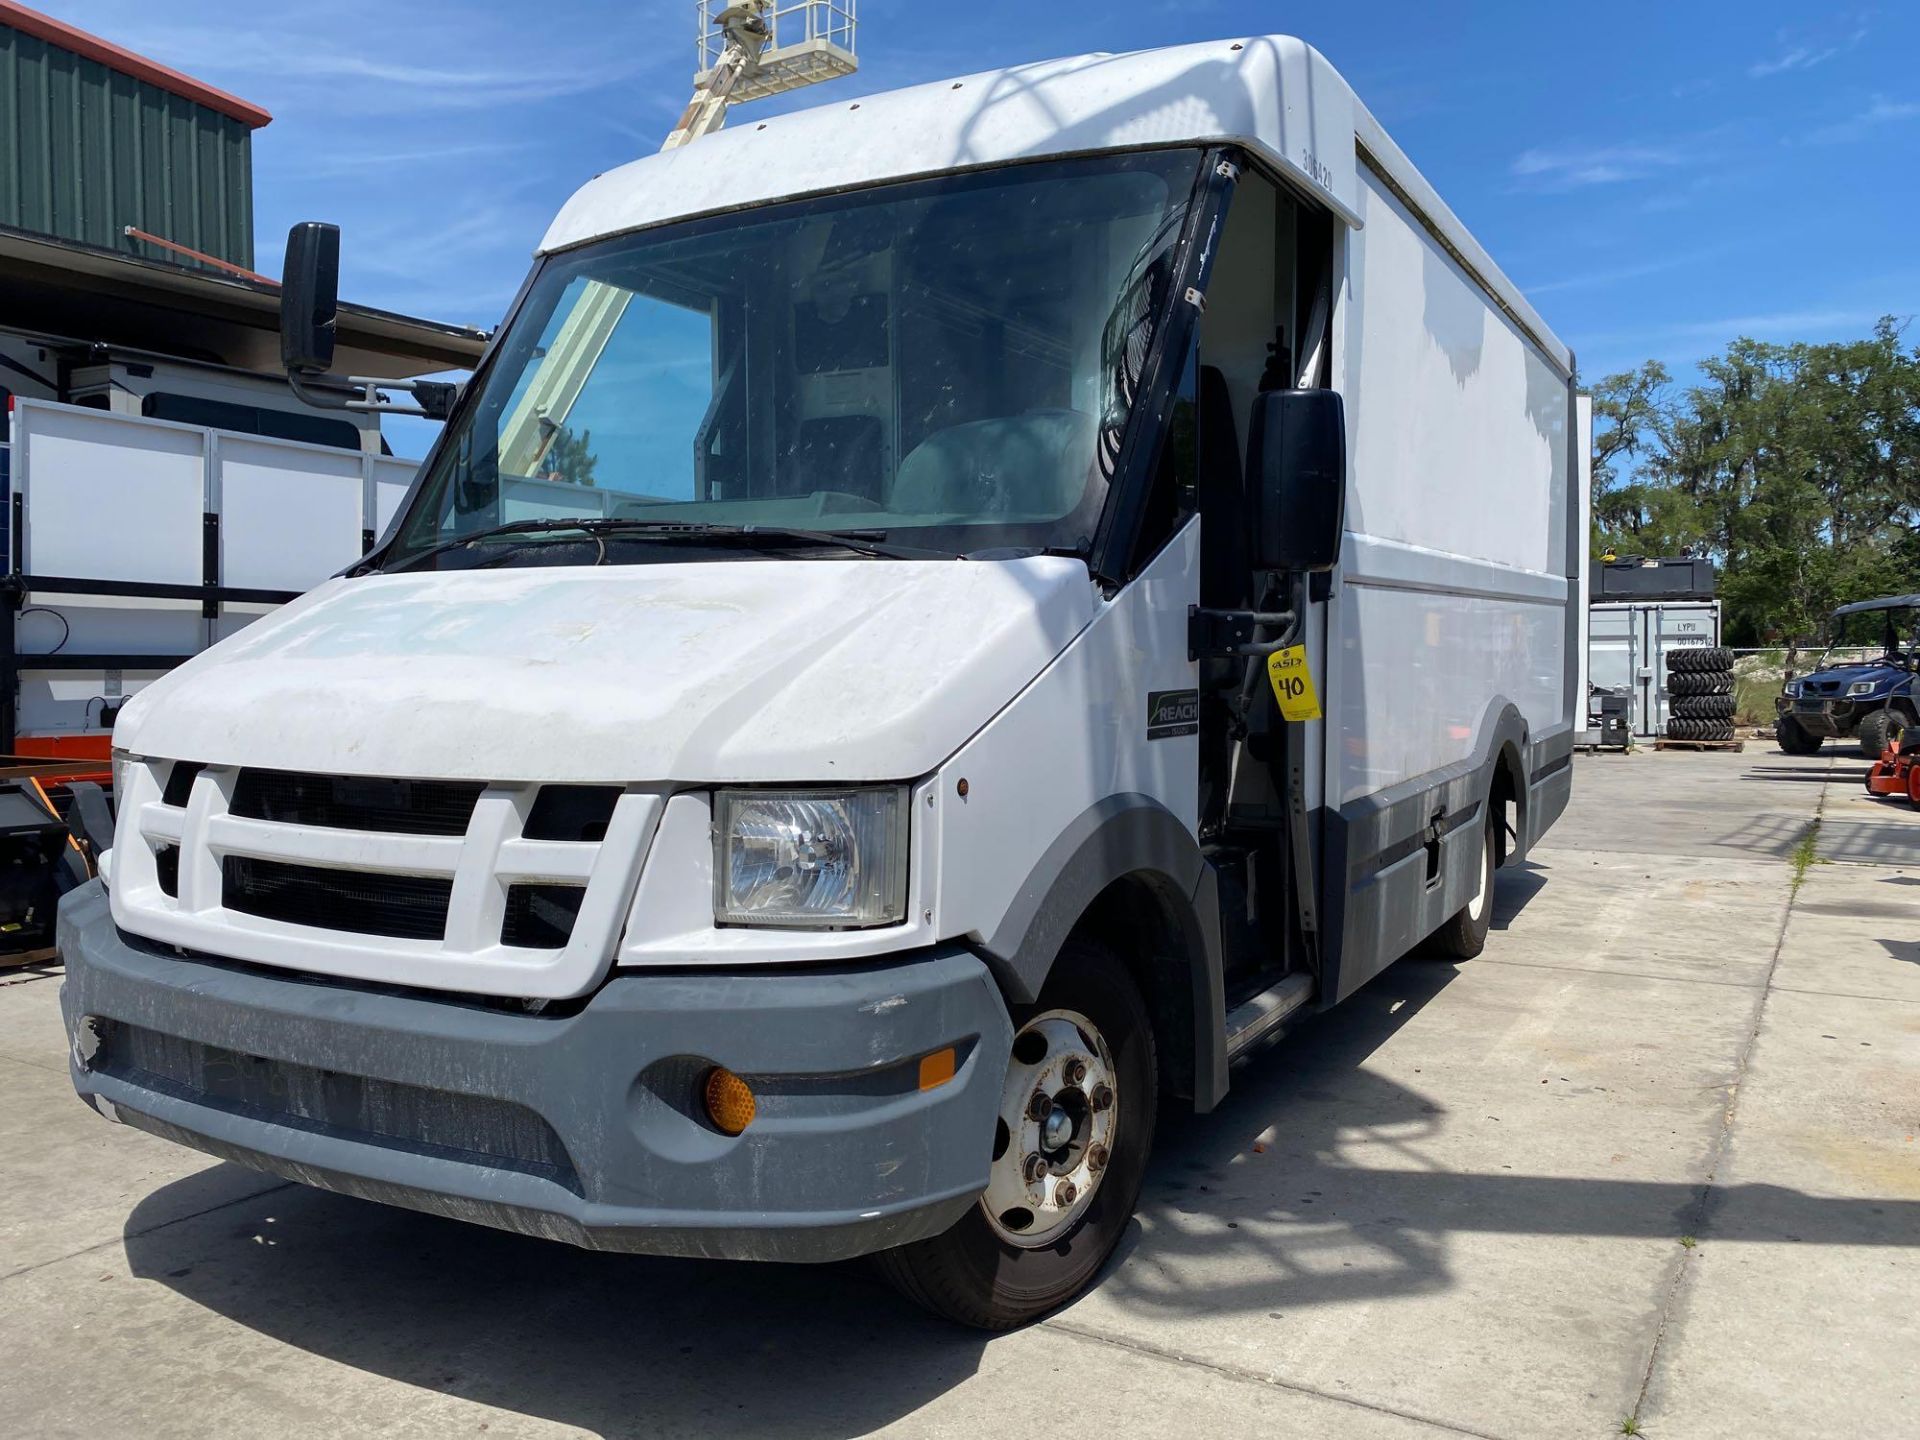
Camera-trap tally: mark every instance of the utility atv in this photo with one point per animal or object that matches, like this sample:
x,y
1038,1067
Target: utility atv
x,y
1871,700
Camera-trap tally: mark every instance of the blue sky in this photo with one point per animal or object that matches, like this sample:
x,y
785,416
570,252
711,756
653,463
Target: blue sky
x,y
1658,178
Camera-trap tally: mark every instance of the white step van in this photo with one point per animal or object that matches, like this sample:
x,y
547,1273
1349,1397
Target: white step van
x,y
938,623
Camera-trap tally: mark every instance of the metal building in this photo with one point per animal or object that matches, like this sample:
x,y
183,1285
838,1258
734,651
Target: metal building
x,y
95,140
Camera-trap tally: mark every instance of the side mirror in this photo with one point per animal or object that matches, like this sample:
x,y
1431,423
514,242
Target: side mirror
x,y
309,297
1297,479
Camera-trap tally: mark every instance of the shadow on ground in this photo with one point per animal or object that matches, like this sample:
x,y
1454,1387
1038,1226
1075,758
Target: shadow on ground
x,y
1519,883
624,1344
1807,774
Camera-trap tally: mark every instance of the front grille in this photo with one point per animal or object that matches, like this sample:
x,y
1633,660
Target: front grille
x,y
572,812
357,802
469,1128
540,917
180,777
407,907
166,869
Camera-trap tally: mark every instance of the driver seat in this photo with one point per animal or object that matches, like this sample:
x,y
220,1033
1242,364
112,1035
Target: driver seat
x,y
1032,465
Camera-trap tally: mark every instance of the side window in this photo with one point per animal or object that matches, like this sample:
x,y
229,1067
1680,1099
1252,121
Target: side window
x,y
251,420
618,401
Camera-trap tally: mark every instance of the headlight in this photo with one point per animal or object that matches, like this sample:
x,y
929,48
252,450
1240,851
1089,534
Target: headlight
x,y
1793,688
1860,687
822,858
122,763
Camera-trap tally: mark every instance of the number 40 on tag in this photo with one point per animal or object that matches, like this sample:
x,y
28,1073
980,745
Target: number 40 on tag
x,y
1293,683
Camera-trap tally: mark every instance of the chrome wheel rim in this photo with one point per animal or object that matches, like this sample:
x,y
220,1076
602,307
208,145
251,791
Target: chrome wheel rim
x,y
1054,1141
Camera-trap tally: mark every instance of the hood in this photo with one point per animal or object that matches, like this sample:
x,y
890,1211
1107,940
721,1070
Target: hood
x,y
1843,675
737,670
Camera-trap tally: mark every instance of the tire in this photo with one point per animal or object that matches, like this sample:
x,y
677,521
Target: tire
x,y
1704,707
1465,935
1879,729
1690,659
1793,739
1705,682
1685,728
975,1273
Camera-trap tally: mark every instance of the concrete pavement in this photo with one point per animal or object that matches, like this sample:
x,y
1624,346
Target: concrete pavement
x,y
1459,1205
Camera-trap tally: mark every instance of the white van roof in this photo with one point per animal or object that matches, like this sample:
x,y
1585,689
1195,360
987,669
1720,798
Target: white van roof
x,y
1273,94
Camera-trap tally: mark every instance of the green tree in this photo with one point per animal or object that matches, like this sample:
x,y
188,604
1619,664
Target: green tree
x,y
1796,467
570,457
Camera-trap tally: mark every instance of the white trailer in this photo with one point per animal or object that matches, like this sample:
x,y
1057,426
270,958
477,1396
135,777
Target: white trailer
x,y
1069,570
134,544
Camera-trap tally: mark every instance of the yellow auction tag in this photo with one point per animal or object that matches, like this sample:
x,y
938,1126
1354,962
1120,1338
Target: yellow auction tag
x,y
1293,683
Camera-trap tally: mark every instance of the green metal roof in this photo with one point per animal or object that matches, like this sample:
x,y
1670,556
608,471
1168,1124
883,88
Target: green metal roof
x,y
88,149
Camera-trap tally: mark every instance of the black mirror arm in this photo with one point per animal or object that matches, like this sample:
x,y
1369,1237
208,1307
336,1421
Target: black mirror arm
x,y
1228,634
434,399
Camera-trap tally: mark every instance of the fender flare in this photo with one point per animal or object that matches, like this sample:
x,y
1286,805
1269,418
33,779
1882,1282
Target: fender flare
x,y
1506,745
1128,836
1118,836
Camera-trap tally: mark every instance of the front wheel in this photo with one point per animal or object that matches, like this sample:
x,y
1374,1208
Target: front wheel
x,y
1793,739
1069,1154
1880,729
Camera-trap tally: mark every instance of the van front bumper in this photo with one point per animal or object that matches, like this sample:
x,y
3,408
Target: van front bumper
x,y
584,1126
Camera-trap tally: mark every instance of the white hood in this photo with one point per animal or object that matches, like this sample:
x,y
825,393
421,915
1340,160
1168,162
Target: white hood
x,y
744,670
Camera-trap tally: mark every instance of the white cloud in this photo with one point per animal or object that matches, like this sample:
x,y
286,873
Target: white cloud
x,y
1881,112
1594,279
1570,169
1796,54
1682,342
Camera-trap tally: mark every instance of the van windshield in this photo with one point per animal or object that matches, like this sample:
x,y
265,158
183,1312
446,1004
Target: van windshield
x,y
949,362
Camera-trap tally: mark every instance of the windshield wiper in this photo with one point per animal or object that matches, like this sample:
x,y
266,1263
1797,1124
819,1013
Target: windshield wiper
x,y
542,526
863,542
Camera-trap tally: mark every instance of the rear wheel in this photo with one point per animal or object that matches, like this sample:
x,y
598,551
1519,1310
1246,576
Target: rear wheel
x,y
1069,1153
1793,739
1879,729
1465,935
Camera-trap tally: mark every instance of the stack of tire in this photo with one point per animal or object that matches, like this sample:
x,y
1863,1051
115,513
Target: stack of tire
x,y
1700,693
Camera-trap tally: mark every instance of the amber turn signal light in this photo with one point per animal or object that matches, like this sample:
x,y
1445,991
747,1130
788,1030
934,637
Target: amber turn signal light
x,y
936,1069
729,1102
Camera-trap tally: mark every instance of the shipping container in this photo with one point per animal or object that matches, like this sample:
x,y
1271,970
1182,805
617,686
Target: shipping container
x,y
1627,646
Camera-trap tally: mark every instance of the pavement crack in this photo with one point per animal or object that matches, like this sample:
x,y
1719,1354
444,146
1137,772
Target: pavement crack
x,y
33,1065
127,1235
1623,974
1698,1213
1248,1376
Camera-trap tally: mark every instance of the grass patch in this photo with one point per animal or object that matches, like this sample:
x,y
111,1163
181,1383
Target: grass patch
x,y
1688,1242
1805,855
1629,1425
1753,699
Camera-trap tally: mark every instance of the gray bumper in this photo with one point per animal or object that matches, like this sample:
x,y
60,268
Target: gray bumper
x,y
1829,719
580,1127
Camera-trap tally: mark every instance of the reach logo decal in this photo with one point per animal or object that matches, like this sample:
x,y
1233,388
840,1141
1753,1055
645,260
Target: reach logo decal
x,y
1171,713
